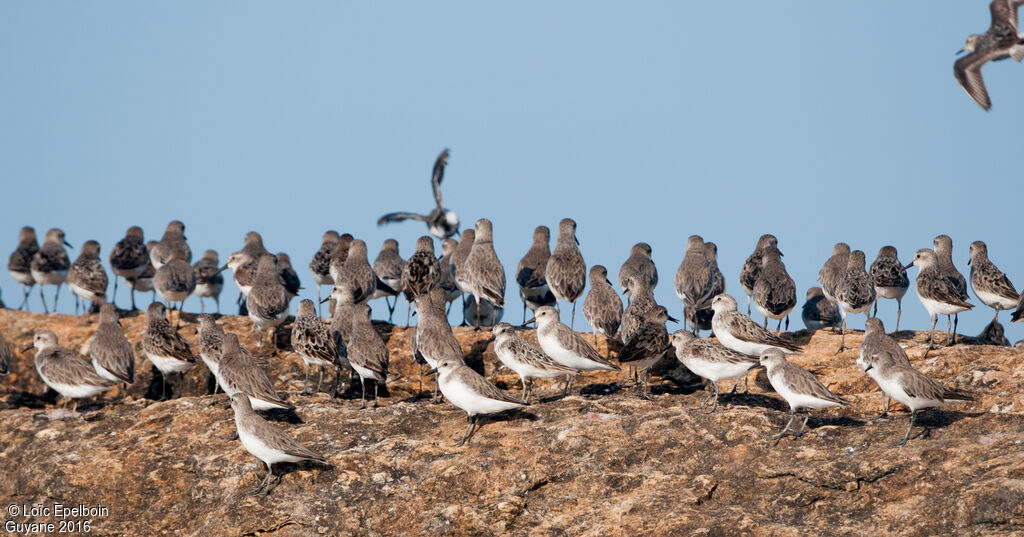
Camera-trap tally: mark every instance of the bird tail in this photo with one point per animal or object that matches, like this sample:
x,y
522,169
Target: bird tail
x,y
957,395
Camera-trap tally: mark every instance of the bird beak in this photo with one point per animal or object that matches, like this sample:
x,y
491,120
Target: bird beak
x,y
968,262
609,281
868,367
527,323
225,267
908,266
432,372
26,349
673,319
575,238
755,366
68,244
959,52
322,301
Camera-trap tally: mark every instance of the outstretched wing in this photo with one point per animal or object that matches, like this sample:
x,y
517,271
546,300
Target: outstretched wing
x,y
967,71
399,217
435,180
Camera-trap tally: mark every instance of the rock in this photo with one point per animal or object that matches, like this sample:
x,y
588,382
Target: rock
x,y
591,464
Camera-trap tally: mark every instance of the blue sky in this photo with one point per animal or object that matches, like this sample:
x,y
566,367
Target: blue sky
x,y
815,121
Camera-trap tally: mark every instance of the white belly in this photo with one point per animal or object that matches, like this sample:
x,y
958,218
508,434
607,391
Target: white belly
x,y
207,290
895,390
993,300
86,294
365,373
129,273
526,371
314,361
716,371
168,364
24,278
261,450
743,347
935,307
891,292
470,401
848,308
260,404
141,284
243,288
798,400
73,391
50,278
560,354
211,364
272,322
771,315
102,371
173,296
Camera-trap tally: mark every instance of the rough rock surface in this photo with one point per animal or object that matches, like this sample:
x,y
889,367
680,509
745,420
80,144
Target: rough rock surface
x,y
598,463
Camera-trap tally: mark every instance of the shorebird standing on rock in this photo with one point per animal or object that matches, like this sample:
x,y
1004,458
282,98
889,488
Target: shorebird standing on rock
x,y
938,294
889,279
854,293
566,271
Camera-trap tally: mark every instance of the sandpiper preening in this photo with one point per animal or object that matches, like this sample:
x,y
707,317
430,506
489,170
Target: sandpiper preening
x,y
111,353
338,257
129,258
647,346
876,341
710,360
820,312
367,354
244,262
641,300
639,265
602,308
65,371
164,346
357,273
467,390
420,274
694,280
209,280
144,281
908,386
388,268
211,346
527,360
531,270
567,272
442,223
854,292
990,285
266,441
566,347
20,262
240,374
799,387
173,239
290,278
938,293
313,341
50,264
87,279
833,268
774,291
175,281
752,266
320,265
890,279
1002,40
484,271
268,299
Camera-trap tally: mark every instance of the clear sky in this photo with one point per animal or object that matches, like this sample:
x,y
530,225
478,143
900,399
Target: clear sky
x,y
814,121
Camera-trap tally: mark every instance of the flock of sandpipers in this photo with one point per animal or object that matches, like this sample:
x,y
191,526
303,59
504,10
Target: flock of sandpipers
x,y
470,270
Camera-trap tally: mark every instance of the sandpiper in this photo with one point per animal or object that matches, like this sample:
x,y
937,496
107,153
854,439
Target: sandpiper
x,y
173,239
20,262
701,313
111,353
209,280
990,285
458,265
854,292
144,281
876,341
421,274
774,291
243,264
175,280
441,222
266,441
367,354
799,387
711,360
313,341
647,346
527,360
833,268
890,280
240,374
357,273
433,341
602,308
1001,41
533,285
641,300
567,347
87,279
908,386
129,258
484,271
292,284
738,332
819,312
467,390
639,265
343,309
320,265
211,344
752,266
64,371
482,314
268,299
943,248
338,257
388,267
567,272
938,294
693,279
447,281
164,346
50,264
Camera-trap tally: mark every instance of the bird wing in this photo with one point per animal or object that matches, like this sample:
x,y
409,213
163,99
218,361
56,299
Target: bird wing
x,y
967,71
804,381
399,217
438,176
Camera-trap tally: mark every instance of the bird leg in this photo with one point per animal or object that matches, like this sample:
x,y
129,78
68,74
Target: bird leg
x,y
363,384
470,428
305,382
842,331
885,408
903,441
375,385
931,336
55,296
956,320
899,311
320,380
785,430
713,394
572,319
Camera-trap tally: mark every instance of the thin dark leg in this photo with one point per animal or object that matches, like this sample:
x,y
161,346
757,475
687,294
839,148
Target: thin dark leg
x,y
956,320
133,300
842,331
572,321
470,426
792,416
713,394
903,441
931,336
362,382
899,312
55,296
875,314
